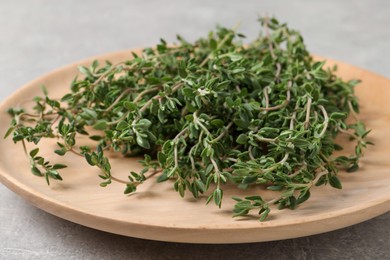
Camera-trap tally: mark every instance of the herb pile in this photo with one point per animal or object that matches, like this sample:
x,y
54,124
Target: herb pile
x,y
206,113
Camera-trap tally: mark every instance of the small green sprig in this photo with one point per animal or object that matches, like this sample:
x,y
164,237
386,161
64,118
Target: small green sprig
x,y
47,170
208,113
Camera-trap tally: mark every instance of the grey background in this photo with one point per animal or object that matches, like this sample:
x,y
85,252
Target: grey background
x,y
39,36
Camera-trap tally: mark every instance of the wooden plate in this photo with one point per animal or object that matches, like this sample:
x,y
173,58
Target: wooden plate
x,y
157,212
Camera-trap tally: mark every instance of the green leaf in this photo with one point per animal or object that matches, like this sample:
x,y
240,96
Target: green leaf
x,y
338,116
9,131
201,186
47,178
354,82
209,198
249,179
54,174
320,74
34,152
304,195
241,123
353,168
217,122
17,138
89,113
67,97
88,158
238,70
100,125
275,188
335,182
213,44
318,65
84,70
360,128
96,137
181,189
242,139
188,92
122,125
104,184
236,198
44,90
255,105
163,177
234,56
264,214
217,194
229,102
59,166
162,158
161,116
182,70
143,142
254,198
130,189
60,152
36,171
130,105
144,123
95,64
223,84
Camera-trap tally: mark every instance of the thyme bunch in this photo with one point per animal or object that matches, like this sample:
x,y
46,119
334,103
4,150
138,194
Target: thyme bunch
x,y
206,113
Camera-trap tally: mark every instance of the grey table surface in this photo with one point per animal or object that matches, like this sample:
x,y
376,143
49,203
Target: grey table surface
x,y
39,36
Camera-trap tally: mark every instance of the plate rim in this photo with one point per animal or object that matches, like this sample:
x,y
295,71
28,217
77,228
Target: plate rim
x,y
53,206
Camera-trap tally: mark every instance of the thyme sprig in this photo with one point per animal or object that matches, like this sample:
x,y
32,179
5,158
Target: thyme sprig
x,y
207,113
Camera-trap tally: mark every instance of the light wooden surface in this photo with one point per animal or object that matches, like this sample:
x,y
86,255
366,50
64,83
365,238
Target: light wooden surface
x,y
157,212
